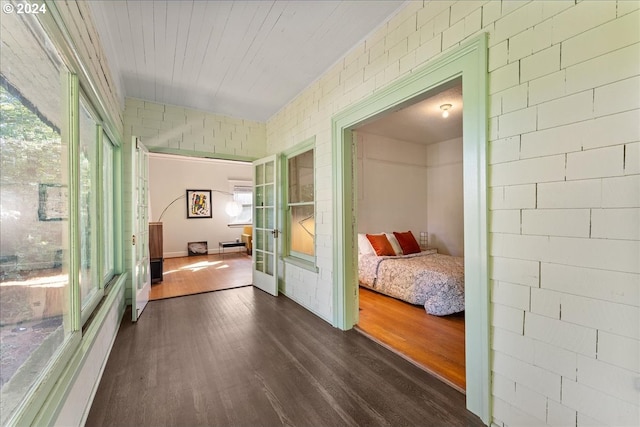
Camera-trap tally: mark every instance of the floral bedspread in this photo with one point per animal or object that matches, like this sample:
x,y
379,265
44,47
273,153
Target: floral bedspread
x,y
427,278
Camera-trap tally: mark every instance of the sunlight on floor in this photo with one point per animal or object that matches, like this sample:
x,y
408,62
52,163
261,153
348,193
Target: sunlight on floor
x,y
200,266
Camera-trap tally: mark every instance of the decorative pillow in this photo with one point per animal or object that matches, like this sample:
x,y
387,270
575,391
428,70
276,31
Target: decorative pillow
x,y
394,243
380,244
407,242
364,246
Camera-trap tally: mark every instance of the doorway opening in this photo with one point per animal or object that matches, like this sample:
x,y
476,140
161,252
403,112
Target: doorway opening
x,y
409,178
199,253
469,63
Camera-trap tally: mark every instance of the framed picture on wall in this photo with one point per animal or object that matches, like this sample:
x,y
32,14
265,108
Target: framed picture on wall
x,y
198,203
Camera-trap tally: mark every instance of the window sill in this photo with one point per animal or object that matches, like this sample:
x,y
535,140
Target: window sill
x,y
307,265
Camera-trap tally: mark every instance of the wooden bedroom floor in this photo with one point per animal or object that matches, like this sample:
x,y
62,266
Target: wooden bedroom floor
x,y
432,342
206,273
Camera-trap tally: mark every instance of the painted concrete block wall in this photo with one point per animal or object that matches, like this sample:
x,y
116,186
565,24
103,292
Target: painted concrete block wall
x,y
189,132
392,185
564,191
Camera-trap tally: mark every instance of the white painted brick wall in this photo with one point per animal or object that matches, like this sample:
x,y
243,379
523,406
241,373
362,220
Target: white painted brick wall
x,y
505,221
613,98
509,318
513,344
574,194
515,271
619,351
632,158
607,285
621,192
561,334
611,317
609,379
554,359
508,294
602,39
615,66
541,169
615,223
560,415
193,132
538,379
546,303
601,407
513,197
556,222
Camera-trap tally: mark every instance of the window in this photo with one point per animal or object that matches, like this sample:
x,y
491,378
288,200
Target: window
x,y
35,280
108,206
58,199
300,203
242,194
88,155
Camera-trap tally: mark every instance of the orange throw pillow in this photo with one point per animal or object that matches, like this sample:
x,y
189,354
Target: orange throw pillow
x,y
380,244
407,242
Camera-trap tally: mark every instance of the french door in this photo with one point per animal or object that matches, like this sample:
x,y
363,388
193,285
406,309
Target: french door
x,y
265,231
141,269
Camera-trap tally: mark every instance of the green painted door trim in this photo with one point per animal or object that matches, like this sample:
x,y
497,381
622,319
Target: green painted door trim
x,y
468,61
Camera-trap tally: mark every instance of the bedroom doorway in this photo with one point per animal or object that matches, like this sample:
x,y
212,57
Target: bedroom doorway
x,y
409,178
468,62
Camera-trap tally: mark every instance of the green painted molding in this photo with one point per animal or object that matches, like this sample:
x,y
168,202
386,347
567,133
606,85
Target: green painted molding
x,y
468,62
201,154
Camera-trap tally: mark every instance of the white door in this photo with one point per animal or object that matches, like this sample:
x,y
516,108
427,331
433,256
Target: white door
x,y
141,269
265,231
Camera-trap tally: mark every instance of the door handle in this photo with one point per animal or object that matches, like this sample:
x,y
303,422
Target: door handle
x,y
275,233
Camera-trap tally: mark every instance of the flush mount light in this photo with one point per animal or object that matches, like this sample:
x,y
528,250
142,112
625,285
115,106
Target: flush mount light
x,y
445,110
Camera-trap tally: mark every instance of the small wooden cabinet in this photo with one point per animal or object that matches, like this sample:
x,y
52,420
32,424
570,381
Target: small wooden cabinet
x,y
156,256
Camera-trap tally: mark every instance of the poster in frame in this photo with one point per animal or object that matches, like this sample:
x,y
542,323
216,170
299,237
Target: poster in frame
x,y
198,204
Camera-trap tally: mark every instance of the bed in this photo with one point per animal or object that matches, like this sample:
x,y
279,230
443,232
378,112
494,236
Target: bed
x,y
424,278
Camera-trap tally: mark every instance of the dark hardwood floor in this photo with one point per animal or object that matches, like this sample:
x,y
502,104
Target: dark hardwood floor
x,y
203,273
240,357
436,343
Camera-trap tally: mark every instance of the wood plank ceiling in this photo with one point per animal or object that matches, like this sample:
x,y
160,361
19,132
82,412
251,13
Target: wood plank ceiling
x,y
244,59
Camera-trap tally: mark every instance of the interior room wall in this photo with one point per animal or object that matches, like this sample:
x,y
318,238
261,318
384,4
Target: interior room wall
x,y
392,190
170,176
445,199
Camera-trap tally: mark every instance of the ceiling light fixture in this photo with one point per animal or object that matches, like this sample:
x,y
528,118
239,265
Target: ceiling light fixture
x,y
445,110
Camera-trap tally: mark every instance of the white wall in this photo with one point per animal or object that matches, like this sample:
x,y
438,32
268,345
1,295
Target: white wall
x,y
445,199
392,190
564,194
170,176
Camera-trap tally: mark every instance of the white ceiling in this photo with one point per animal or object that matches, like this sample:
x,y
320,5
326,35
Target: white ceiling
x,y
421,121
244,59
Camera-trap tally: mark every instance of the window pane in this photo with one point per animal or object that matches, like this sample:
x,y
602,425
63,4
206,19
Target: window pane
x,y
303,229
301,178
108,226
88,162
34,268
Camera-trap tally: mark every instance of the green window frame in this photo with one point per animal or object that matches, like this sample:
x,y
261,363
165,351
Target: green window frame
x,y
76,204
299,204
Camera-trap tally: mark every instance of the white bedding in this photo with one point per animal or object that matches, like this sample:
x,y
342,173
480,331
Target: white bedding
x,y
426,278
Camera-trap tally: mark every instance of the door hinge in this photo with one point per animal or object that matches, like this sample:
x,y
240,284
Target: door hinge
x,y
133,240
